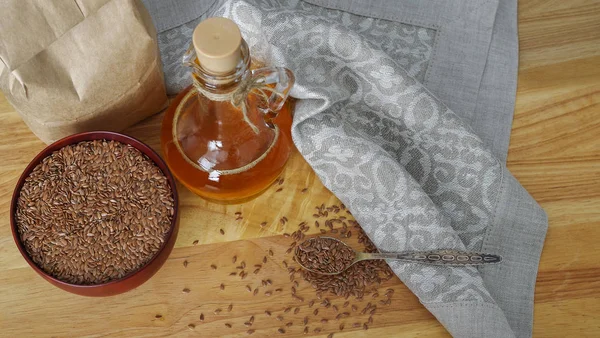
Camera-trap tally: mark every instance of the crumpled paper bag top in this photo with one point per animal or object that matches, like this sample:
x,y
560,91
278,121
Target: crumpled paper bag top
x,y
73,66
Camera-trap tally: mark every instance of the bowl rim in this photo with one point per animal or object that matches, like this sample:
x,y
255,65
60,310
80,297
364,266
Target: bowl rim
x,y
74,139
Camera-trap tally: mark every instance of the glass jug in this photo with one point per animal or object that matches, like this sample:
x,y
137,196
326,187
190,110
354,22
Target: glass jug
x,y
227,136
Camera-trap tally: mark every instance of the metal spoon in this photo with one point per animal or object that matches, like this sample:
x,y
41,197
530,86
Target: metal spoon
x,y
447,257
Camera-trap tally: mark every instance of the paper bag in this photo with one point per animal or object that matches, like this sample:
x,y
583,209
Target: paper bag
x,y
77,65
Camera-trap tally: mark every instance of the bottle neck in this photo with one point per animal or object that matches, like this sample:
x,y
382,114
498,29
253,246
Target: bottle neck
x,y
219,84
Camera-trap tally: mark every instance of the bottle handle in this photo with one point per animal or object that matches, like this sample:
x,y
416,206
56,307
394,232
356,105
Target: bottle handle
x,y
283,81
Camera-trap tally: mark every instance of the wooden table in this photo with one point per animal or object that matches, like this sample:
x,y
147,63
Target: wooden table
x,y
554,152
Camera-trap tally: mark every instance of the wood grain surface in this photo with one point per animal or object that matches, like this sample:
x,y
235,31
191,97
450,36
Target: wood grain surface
x,y
554,153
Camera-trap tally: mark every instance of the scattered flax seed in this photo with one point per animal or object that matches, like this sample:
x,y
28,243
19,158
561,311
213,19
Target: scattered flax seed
x,y
256,271
185,264
354,308
311,303
243,265
341,326
268,293
335,308
285,264
158,316
324,321
255,292
270,252
304,190
305,320
258,266
228,325
281,181
191,327
202,317
296,310
281,330
286,235
250,331
263,224
233,273
375,295
289,324
217,311
195,242
305,330
278,190
346,303
280,318
234,259
214,267
287,309
222,286
269,282
278,290
316,312
264,259
285,219
268,313
365,326
247,324
330,335
317,330
230,307
356,325
186,290
222,231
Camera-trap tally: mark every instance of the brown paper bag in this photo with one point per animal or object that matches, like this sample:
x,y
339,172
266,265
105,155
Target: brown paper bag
x,y
69,66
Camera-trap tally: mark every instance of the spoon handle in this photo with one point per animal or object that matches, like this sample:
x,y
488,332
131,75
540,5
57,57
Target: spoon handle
x,y
437,257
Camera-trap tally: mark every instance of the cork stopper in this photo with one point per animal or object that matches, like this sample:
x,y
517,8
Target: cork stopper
x,y
217,42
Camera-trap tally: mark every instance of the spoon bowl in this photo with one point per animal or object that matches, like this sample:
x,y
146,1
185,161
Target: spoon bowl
x,y
330,256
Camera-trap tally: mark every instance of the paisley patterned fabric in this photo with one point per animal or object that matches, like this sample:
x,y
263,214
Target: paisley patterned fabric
x,y
414,174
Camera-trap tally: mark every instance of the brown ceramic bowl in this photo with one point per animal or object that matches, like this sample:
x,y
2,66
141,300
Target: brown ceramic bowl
x,y
131,280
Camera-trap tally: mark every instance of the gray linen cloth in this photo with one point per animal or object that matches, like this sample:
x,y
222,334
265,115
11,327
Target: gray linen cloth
x,y
404,113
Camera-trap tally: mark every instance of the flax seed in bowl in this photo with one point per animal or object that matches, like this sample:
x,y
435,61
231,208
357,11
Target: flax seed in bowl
x,y
95,213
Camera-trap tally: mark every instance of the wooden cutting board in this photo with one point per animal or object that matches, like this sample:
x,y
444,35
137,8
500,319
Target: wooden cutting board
x,y
160,307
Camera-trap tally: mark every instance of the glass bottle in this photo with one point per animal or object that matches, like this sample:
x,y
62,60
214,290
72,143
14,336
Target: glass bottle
x,y
227,136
